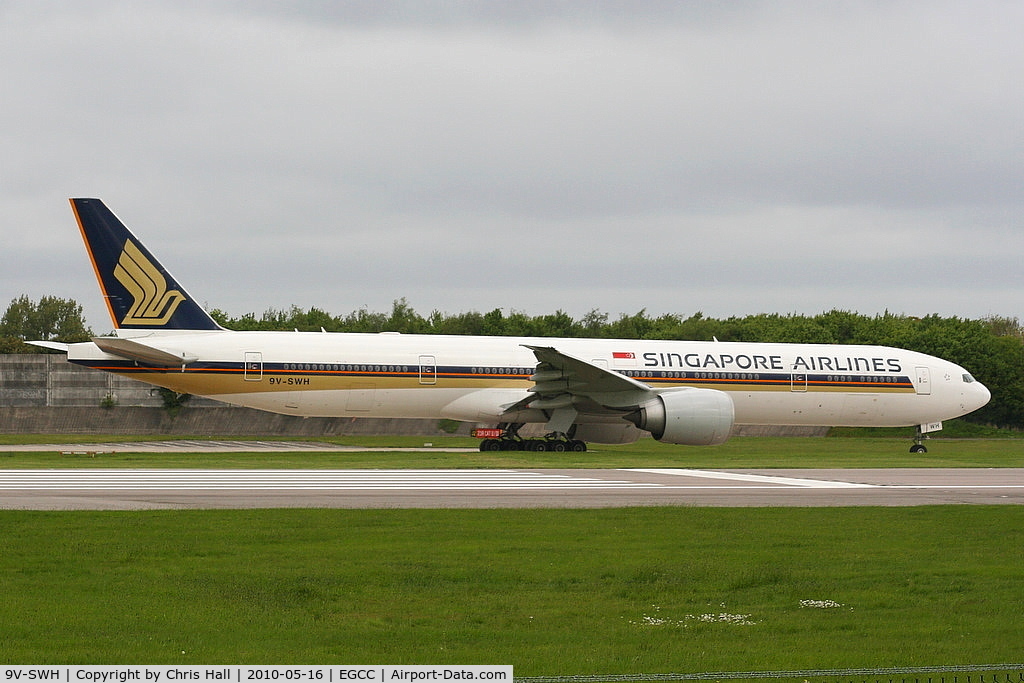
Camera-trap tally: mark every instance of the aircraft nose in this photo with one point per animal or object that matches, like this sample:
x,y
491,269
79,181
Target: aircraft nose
x,y
976,396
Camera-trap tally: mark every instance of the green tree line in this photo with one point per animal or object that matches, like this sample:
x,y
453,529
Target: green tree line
x,y
991,348
49,319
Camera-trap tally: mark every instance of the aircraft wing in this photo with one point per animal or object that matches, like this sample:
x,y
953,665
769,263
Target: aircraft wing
x,y
558,371
561,381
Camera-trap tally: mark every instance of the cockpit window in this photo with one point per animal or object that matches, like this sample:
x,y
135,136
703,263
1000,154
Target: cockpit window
x,y
967,378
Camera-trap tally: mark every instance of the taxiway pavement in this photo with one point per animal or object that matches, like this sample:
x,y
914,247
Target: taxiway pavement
x,y
124,489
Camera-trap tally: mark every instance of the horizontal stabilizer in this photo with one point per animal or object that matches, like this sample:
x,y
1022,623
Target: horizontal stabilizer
x,y
133,350
56,346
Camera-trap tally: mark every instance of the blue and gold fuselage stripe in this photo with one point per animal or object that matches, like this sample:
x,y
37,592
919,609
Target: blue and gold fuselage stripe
x,y
300,375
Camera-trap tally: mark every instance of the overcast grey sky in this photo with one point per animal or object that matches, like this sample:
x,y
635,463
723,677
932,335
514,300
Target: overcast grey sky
x,y
725,157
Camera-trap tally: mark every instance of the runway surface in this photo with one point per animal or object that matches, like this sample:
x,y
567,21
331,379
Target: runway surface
x,y
124,489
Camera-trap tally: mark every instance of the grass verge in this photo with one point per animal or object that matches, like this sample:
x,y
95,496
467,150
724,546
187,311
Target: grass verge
x,y
740,452
554,592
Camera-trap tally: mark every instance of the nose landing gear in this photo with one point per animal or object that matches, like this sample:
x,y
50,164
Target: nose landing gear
x,y
919,438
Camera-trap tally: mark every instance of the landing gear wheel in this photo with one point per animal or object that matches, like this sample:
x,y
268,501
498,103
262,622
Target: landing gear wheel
x,y
556,446
577,446
918,448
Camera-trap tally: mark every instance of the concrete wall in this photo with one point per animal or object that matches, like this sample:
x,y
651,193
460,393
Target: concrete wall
x,y
47,379
225,422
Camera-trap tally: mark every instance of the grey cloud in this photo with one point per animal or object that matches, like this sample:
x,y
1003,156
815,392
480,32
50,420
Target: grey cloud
x,y
743,156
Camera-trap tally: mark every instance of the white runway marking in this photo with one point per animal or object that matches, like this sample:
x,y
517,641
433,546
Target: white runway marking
x,y
770,481
757,478
349,480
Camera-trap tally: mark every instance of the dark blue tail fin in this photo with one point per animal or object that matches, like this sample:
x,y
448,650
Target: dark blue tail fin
x,y
140,293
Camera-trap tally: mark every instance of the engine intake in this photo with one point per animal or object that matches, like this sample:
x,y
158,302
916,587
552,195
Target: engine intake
x,y
691,417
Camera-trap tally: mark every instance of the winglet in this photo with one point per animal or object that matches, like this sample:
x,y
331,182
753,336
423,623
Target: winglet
x,y
139,292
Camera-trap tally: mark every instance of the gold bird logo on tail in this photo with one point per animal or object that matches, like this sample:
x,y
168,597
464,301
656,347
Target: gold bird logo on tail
x,y
154,303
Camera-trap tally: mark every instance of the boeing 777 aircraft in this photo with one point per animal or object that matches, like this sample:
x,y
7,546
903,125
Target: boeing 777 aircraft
x,y
599,390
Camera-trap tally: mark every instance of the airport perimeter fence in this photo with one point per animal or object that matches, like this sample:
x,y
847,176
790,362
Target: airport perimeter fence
x,y
989,673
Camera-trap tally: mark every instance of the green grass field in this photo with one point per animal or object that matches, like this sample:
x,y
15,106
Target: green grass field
x,y
553,592
747,452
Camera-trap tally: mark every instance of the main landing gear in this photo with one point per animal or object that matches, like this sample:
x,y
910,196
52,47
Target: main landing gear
x,y
509,440
919,438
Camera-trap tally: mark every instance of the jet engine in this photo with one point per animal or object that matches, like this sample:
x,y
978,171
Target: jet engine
x,y
691,417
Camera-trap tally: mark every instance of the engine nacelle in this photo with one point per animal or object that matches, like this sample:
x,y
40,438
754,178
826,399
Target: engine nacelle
x,y
612,433
691,417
